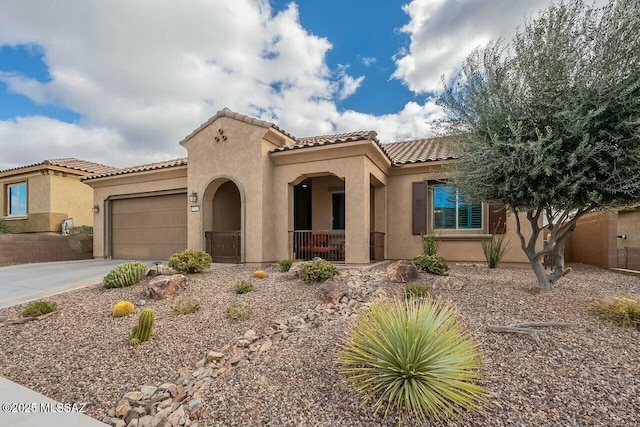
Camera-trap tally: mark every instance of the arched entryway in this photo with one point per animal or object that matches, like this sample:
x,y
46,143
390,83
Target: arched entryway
x,y
223,221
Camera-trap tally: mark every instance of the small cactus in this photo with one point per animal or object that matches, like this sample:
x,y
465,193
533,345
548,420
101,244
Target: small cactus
x,y
144,329
123,308
125,274
259,274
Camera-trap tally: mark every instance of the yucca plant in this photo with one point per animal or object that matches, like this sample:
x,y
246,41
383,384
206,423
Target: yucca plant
x,y
413,357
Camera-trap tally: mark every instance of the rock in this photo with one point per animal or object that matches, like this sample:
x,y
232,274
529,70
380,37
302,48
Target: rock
x,y
122,408
111,413
146,421
177,417
163,413
119,423
214,356
195,408
169,387
266,346
147,391
160,270
134,395
163,422
402,271
295,272
162,287
250,335
448,282
331,292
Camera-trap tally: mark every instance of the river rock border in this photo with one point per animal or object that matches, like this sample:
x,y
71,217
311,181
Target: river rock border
x,y
181,402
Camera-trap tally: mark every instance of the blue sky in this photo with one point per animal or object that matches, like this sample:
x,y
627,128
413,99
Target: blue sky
x,y
122,82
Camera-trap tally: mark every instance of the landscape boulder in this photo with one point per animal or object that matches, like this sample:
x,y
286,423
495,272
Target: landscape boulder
x,y
162,287
402,271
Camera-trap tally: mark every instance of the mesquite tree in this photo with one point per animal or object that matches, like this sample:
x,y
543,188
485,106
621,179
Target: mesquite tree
x,y
552,122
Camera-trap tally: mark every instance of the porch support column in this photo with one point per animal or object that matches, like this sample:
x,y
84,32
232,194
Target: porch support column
x,y
380,215
357,212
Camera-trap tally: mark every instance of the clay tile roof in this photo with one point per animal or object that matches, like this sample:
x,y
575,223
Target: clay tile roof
x,y
225,112
142,168
421,150
71,163
315,141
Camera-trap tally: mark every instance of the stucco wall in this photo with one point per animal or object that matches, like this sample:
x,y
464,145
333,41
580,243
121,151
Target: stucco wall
x,y
52,196
71,196
141,183
593,241
240,158
455,247
629,224
322,188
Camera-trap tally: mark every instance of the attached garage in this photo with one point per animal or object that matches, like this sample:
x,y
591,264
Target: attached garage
x,y
148,228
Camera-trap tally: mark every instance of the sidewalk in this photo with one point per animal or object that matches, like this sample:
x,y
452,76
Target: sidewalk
x,y
43,411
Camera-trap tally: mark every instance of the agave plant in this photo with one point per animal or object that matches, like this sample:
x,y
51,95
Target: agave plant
x,y
413,357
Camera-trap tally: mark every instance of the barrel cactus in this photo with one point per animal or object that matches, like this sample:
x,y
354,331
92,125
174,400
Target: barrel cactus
x,y
144,329
123,308
125,274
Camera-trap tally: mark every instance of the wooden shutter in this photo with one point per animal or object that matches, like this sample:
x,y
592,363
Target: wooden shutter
x,y
419,207
497,219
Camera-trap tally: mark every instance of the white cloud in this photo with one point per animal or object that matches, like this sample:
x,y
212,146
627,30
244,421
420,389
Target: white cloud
x,y
444,32
142,75
368,61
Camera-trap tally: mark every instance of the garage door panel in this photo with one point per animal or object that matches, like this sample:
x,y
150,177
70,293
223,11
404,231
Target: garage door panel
x,y
149,227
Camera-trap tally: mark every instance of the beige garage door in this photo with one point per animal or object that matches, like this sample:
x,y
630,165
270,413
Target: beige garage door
x,y
151,228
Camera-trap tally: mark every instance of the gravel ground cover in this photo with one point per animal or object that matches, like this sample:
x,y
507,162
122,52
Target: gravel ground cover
x,y
587,374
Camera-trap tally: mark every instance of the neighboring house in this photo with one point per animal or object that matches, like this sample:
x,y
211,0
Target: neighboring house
x,y
250,192
37,198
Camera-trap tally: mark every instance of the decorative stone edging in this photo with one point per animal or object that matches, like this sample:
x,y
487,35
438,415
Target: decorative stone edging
x,y
181,403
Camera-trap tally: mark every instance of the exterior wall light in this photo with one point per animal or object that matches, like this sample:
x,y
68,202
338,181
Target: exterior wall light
x,y
95,209
193,197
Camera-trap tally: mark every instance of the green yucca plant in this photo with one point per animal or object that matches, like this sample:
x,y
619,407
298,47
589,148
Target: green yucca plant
x,y
413,357
495,248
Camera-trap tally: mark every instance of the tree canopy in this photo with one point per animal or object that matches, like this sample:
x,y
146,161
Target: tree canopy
x,y
551,120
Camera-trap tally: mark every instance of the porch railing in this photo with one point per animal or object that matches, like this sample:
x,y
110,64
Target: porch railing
x,y
376,252
326,244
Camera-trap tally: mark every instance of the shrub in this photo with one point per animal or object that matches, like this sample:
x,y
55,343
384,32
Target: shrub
x,y
38,308
285,264
244,287
430,244
83,234
125,274
433,264
416,290
259,274
5,228
123,308
414,358
190,261
144,329
186,306
238,312
623,310
318,271
494,248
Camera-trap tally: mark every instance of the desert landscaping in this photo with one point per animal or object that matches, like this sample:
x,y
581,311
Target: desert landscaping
x,y
280,366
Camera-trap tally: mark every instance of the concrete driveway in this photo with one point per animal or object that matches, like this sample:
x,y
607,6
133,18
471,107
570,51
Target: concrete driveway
x,y
27,282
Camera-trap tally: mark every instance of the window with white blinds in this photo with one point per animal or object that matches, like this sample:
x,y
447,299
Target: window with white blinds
x,y
451,210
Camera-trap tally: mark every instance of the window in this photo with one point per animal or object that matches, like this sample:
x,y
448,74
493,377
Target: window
x,y
338,203
17,199
452,212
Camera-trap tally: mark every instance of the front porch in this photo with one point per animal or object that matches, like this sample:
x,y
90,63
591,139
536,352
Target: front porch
x,y
330,245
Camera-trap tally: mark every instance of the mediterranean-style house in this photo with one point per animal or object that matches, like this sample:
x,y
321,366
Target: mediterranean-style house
x,y
37,198
250,192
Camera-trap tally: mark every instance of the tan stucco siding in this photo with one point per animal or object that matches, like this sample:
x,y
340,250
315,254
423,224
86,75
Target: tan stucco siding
x,y
52,196
69,195
239,158
166,180
402,244
629,225
350,169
